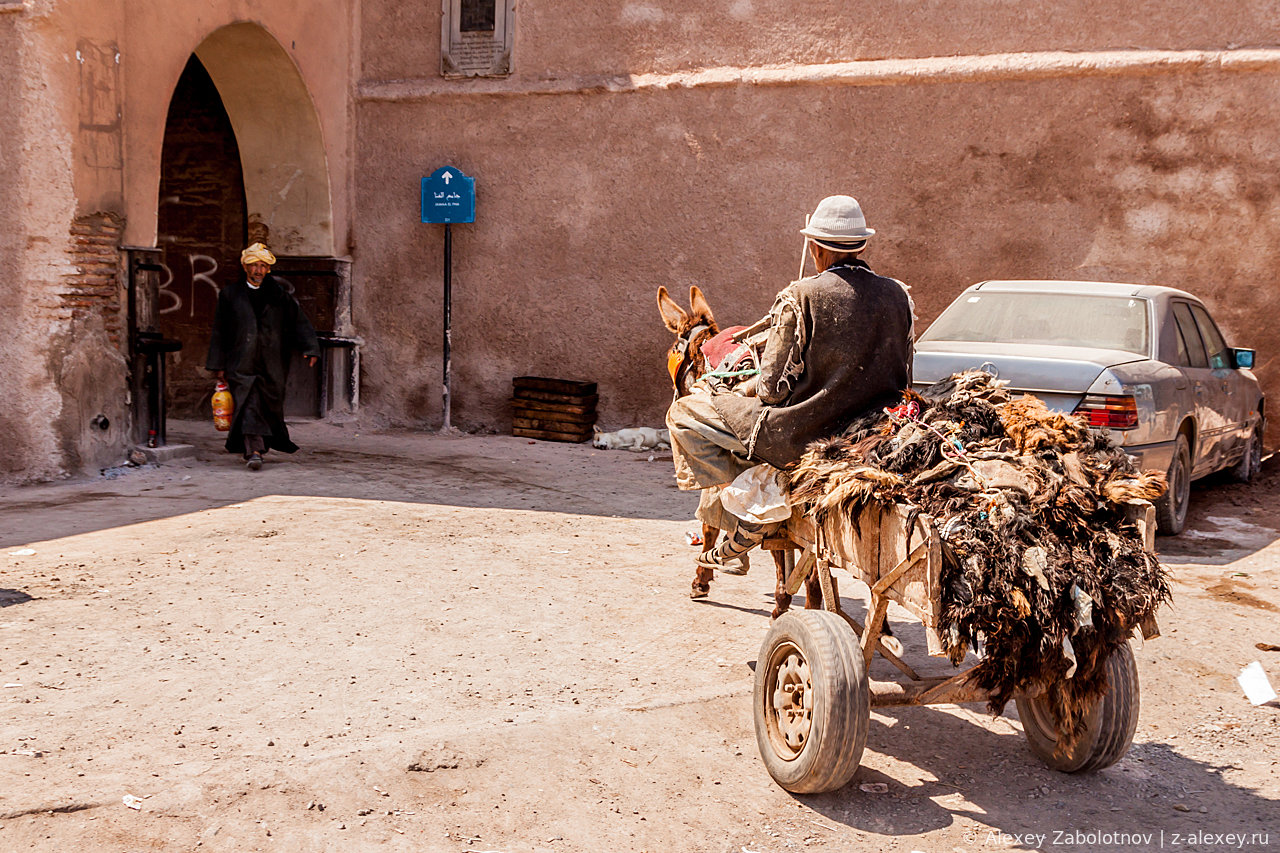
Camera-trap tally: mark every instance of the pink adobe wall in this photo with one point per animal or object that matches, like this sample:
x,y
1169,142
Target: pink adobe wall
x,y
161,36
18,373
646,143
587,202
82,116
110,69
610,37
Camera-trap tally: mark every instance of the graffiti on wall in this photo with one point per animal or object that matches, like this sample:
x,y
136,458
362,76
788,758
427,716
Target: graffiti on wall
x,y
203,270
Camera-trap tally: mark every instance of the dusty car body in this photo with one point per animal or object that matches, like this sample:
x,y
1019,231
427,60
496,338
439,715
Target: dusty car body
x,y
1146,364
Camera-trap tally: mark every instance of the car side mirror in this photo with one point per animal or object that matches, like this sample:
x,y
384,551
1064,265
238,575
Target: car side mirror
x,y
1243,358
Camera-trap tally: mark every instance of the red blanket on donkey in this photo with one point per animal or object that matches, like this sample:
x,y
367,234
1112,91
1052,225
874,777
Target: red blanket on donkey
x,y
716,350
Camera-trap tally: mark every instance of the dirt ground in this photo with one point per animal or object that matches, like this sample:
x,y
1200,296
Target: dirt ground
x,y
459,643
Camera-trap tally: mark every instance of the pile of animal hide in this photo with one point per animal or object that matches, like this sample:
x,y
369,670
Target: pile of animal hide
x,y
1041,571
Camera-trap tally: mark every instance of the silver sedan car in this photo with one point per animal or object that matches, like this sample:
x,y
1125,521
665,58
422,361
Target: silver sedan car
x,y
1146,364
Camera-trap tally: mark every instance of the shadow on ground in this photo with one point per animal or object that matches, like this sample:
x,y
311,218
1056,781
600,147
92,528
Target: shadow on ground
x,y
10,597
489,472
1227,521
1007,792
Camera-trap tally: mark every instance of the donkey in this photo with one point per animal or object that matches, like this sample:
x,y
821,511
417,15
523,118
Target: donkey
x,y
686,363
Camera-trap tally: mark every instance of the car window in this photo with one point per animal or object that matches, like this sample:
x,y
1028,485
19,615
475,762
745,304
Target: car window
x,y
1190,335
1059,319
1215,346
1184,357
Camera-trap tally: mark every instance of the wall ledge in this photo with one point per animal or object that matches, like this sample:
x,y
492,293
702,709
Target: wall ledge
x,y
8,6
873,72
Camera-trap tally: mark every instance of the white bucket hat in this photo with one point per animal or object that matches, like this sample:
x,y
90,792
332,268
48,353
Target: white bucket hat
x,y
837,223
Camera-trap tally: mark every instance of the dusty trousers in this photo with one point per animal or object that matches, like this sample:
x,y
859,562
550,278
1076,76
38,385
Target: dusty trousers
x,y
705,451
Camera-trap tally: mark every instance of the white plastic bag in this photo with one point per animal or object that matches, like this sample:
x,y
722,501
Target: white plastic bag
x,y
757,495
1257,688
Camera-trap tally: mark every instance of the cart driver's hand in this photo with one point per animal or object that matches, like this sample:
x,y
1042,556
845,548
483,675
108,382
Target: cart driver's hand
x,y
311,361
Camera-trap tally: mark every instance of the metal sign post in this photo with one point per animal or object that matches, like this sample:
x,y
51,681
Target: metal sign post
x,y
447,424
448,196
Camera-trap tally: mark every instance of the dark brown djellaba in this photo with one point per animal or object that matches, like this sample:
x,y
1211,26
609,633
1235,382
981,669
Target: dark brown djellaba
x,y
1042,574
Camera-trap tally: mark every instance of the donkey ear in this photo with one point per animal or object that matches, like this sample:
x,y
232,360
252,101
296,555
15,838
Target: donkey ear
x,y
698,306
672,314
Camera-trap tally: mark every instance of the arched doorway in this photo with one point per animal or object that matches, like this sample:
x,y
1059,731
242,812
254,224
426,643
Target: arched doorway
x,y
201,225
243,160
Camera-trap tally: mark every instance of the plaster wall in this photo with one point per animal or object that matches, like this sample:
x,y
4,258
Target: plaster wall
x,y
14,370
82,118
38,166
556,40
610,163
635,144
313,39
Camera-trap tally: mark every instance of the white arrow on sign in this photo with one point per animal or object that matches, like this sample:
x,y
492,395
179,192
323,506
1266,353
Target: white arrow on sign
x,y
446,177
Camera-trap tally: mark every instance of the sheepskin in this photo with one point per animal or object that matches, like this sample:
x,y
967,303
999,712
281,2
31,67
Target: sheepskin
x,y
1039,563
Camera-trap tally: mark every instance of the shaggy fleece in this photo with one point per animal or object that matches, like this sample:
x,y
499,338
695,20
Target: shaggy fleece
x,y
1036,549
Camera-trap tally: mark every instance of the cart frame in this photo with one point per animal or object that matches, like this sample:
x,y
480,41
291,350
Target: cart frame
x,y
896,551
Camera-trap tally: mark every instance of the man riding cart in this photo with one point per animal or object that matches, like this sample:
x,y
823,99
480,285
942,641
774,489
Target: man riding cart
x,y
838,345
1009,530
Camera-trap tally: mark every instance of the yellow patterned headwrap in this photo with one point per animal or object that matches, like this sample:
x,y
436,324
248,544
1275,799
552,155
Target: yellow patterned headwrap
x,y
257,254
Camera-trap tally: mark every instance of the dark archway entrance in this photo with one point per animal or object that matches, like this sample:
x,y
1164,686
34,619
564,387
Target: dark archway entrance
x,y
201,227
243,160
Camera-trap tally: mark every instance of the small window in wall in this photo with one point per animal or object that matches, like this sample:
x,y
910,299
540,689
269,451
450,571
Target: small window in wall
x,y
476,38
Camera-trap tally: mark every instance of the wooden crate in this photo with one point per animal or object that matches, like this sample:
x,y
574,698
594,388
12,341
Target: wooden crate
x,y
553,409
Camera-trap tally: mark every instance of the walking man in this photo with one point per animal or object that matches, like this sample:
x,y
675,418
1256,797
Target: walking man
x,y
256,328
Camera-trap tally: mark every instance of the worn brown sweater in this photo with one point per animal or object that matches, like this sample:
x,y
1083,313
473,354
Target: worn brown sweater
x,y
847,351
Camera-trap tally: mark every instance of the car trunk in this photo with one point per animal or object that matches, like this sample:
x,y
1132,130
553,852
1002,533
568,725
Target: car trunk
x,y
1058,375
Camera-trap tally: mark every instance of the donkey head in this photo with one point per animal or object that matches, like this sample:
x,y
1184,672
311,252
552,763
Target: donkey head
x,y
685,361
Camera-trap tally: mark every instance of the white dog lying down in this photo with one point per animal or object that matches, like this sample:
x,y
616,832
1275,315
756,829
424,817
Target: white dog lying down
x,y
636,438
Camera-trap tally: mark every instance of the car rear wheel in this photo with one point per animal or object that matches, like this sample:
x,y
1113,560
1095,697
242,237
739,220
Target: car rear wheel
x,y
1249,465
1171,508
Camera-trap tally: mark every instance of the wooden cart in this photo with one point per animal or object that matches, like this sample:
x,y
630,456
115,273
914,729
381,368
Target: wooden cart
x,y
813,696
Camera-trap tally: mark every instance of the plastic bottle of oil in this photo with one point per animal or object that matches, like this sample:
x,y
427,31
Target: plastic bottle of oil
x,y
223,407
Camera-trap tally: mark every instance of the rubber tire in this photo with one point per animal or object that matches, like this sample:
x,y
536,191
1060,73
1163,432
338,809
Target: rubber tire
x,y
1171,507
1110,727
1251,463
840,711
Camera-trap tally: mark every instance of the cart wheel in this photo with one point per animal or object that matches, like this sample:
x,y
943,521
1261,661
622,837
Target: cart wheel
x,y
812,702
1110,726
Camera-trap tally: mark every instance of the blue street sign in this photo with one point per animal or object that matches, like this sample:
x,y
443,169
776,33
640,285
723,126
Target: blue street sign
x,y
448,196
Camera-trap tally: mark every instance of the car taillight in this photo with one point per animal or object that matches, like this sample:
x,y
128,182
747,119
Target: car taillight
x,y
1112,412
